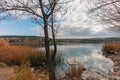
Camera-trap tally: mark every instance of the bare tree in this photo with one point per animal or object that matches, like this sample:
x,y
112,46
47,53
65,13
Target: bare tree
x,y
109,12
38,10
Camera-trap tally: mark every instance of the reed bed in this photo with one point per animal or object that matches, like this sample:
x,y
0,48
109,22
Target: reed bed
x,y
111,47
19,55
3,42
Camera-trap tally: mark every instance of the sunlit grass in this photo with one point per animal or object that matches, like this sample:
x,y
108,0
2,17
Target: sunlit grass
x,y
24,72
19,55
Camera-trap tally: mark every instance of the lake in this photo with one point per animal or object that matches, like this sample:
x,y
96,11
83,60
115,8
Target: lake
x,y
88,55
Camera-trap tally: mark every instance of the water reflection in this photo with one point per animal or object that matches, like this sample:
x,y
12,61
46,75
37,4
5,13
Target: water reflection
x,y
89,55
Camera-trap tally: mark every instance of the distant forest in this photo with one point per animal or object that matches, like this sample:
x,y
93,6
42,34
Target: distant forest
x,y
37,41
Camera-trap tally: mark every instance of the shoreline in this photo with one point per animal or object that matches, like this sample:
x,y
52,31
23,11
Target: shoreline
x,y
112,75
115,75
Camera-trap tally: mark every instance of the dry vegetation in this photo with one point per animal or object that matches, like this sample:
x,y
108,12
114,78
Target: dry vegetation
x,y
3,43
73,73
114,47
27,56
26,73
19,55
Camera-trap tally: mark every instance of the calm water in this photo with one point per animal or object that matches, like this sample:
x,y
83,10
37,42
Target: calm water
x,y
88,55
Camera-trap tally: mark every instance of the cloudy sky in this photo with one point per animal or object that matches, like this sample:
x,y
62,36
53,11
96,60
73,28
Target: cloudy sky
x,y
77,24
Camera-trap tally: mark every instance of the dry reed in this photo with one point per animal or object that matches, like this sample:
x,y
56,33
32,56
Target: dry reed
x,y
114,47
18,55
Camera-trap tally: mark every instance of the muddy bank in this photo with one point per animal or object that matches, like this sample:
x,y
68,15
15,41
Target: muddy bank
x,y
5,71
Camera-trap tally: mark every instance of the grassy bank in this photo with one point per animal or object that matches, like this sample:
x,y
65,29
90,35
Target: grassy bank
x,y
26,73
26,58
19,55
111,48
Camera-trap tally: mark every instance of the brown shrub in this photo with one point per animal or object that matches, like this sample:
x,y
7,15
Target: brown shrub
x,y
73,73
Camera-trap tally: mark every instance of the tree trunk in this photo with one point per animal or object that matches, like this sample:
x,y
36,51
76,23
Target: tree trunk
x,y
54,39
53,56
52,75
50,63
47,48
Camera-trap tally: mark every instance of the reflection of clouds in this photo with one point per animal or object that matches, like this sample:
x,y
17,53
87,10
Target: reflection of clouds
x,y
96,62
87,57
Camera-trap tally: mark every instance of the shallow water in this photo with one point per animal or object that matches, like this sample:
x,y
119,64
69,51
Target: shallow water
x,y
88,55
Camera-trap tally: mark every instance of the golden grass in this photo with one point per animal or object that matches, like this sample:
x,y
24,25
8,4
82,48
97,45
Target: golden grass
x,y
3,42
18,55
24,72
108,47
115,47
15,54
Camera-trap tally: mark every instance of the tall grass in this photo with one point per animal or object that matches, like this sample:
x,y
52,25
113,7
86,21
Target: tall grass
x,y
3,43
117,47
19,55
38,59
107,47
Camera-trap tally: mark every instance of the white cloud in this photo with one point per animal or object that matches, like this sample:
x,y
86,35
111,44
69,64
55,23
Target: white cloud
x,y
78,23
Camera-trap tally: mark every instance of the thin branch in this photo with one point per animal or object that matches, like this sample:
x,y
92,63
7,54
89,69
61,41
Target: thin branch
x,y
104,5
19,8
